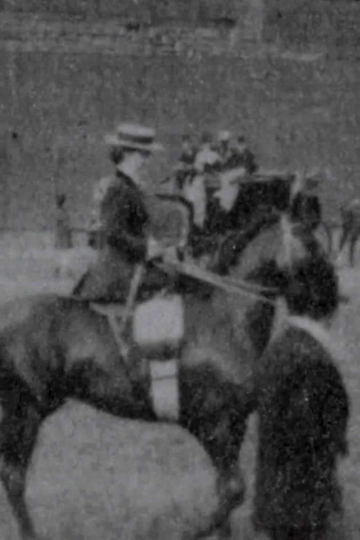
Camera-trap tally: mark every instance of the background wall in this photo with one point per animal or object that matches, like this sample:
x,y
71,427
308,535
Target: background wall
x,y
68,76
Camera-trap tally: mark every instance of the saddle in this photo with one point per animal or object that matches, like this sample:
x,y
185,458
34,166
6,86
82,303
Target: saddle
x,y
157,331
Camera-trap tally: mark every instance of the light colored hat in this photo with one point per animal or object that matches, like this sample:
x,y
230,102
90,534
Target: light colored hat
x,y
134,137
224,135
206,157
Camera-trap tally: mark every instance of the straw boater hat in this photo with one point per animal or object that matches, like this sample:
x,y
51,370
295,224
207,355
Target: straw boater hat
x,y
134,137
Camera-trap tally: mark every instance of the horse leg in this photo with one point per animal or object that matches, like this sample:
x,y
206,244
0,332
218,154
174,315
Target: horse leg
x,y
18,434
13,477
213,411
111,392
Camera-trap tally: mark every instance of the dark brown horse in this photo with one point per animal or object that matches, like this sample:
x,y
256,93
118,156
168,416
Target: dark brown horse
x,y
53,348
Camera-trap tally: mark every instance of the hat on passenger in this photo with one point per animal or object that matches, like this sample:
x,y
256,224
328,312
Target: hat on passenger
x,y
224,135
206,159
134,137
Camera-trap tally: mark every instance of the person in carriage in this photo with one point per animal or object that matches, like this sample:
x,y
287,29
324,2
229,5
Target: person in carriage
x,y
188,150
224,198
223,148
194,191
243,202
222,171
185,169
238,167
199,194
242,156
207,156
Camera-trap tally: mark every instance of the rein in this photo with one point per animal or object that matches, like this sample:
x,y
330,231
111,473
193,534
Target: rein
x,y
231,286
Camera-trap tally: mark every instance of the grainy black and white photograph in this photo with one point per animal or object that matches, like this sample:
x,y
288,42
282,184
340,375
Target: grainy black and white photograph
x,y
179,270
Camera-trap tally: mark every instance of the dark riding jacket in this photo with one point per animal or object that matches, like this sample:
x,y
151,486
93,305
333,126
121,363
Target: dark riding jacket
x,y
125,218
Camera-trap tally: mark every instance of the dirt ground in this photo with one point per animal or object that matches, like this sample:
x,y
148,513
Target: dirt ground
x,y
94,476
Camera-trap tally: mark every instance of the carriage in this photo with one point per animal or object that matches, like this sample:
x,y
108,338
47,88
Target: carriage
x,y
253,196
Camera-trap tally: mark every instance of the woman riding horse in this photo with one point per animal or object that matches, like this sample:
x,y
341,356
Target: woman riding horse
x,y
54,348
125,217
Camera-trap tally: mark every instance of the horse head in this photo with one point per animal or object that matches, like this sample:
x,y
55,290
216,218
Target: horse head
x,y
264,253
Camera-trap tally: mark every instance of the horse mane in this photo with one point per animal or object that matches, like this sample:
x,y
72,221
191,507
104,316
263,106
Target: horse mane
x,y
234,245
259,320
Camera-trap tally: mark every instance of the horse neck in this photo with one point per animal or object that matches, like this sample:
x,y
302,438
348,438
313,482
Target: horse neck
x,y
253,244
257,249
216,334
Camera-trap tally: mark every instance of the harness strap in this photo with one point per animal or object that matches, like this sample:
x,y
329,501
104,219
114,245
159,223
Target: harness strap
x,y
130,301
119,316
114,313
